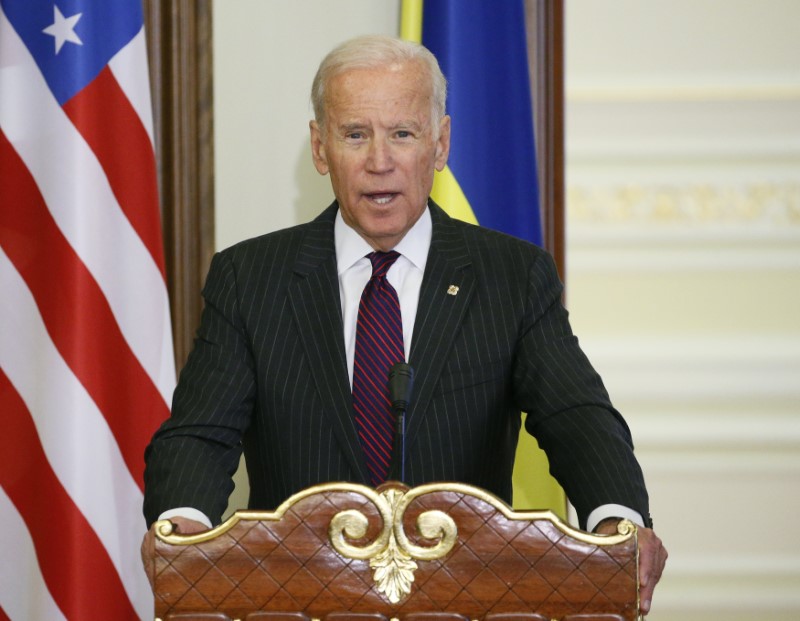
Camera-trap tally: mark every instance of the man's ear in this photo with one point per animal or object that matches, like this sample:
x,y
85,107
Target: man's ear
x,y
442,144
318,149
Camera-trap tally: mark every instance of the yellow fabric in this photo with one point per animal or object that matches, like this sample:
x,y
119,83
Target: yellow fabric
x,y
411,20
448,194
534,488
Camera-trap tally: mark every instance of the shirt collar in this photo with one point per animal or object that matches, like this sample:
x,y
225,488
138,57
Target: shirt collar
x,y
351,247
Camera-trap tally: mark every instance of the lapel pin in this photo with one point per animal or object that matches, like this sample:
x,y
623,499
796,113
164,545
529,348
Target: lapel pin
x,y
452,290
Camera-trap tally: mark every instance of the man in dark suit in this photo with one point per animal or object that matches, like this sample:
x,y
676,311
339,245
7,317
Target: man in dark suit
x,y
482,325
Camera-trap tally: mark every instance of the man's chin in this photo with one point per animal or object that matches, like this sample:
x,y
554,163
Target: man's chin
x,y
383,238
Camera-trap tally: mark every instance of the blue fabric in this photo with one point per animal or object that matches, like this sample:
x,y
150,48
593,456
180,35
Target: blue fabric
x,y
482,49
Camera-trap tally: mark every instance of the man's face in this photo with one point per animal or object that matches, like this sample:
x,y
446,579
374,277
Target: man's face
x,y
380,148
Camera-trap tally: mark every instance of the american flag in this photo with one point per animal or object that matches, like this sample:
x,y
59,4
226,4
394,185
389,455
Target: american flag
x,y
86,363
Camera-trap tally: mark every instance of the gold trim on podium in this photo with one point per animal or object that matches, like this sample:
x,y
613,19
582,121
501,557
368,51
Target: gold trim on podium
x,y
392,553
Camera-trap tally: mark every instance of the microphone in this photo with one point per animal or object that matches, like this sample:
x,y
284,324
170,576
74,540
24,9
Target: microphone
x,y
401,383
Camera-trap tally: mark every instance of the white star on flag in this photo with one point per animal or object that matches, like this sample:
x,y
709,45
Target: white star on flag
x,y
63,29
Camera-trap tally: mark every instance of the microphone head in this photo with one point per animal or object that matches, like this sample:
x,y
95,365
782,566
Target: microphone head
x,y
401,383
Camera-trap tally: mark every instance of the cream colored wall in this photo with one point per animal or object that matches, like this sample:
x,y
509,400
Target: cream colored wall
x,y
683,253
265,56
683,248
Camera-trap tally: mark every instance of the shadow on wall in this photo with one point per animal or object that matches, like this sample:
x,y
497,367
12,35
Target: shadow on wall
x,y
314,191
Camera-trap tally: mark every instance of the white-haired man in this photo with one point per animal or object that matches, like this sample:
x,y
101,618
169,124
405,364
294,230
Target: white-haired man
x,y
275,367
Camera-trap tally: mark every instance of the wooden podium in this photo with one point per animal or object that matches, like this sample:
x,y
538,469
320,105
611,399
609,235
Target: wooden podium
x,y
435,552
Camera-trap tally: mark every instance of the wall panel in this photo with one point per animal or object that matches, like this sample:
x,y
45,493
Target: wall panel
x,y
683,238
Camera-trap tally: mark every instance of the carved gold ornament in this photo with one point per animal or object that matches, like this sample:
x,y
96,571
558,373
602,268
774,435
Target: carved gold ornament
x,y
391,555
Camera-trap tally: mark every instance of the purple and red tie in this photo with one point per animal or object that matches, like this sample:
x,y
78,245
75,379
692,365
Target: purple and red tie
x,y
379,345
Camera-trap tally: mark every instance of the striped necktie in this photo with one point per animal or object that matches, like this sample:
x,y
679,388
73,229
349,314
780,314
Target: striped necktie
x,y
379,345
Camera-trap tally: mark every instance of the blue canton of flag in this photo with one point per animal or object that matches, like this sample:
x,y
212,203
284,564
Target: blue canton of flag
x,y
72,40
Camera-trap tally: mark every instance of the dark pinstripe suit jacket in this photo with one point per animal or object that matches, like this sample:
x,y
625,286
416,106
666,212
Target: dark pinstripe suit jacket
x,y
268,374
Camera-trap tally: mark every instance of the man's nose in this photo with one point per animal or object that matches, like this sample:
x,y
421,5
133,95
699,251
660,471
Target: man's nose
x,y
379,158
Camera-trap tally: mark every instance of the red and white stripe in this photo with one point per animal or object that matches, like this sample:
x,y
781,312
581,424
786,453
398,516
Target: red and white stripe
x,y
86,363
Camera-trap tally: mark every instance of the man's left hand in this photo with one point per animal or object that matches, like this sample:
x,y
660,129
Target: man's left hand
x,y
652,558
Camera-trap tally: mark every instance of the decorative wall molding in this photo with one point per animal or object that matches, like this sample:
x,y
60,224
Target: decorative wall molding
x,y
718,430
710,88
678,227
691,403
633,123
765,204
761,204
700,464
645,252
764,587
700,370
716,418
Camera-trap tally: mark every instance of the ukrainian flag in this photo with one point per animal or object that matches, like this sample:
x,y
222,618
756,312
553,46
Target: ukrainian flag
x,y
491,174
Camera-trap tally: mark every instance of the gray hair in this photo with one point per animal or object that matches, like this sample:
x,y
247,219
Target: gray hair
x,y
373,51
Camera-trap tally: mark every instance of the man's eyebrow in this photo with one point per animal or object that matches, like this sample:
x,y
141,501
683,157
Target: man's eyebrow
x,y
361,126
407,124
348,127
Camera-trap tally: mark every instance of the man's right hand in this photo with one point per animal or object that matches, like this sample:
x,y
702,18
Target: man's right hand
x,y
183,526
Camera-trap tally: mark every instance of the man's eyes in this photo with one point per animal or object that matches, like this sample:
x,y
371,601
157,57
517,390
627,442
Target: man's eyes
x,y
358,136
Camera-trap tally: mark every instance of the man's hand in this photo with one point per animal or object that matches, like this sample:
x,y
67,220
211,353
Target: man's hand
x,y
652,558
183,526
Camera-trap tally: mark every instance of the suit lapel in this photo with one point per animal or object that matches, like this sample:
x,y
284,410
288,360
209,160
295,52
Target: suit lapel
x,y
447,288
314,297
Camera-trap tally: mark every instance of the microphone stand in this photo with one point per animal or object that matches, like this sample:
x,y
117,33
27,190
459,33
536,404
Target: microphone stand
x,y
401,383
399,456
